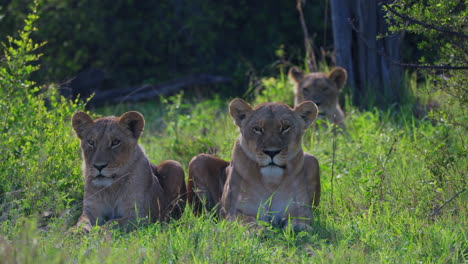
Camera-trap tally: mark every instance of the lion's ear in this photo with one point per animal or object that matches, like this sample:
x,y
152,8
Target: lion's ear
x,y
81,123
339,76
295,75
239,110
133,121
308,111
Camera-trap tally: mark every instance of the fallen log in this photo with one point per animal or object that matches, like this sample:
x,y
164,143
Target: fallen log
x,y
145,92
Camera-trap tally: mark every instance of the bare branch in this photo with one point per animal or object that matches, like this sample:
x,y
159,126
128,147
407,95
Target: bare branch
x,y
419,66
414,21
436,211
311,60
333,162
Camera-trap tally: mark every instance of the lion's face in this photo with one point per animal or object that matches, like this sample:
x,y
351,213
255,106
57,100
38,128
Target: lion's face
x,y
318,87
107,145
271,134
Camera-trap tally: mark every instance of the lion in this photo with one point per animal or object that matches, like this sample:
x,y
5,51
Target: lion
x,y
269,178
120,184
323,90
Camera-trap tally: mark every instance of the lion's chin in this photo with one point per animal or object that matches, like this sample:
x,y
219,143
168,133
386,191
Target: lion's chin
x,y
272,174
102,181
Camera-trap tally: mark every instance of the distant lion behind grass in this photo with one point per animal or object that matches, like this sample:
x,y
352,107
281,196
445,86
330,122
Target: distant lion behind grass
x,y
322,89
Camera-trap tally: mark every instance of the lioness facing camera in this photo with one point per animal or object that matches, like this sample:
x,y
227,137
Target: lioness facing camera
x,y
322,89
269,176
121,185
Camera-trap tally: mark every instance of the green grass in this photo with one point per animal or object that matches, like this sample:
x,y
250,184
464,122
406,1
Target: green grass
x,y
392,185
382,185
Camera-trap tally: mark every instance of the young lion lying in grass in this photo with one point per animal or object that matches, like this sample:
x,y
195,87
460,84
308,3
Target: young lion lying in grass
x,y
121,185
269,178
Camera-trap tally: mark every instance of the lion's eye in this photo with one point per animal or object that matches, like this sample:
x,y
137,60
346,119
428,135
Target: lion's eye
x,y
257,130
90,143
115,143
285,129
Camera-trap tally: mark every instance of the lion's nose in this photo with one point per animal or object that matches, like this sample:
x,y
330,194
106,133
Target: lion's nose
x,y
99,167
271,153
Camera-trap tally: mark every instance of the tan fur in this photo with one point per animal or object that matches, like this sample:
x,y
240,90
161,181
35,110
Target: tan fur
x,y
269,175
322,89
121,185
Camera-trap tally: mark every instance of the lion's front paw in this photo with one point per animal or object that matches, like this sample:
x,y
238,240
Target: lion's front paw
x,y
82,228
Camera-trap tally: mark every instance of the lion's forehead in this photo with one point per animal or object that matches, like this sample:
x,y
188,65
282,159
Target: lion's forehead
x,y
272,115
317,83
106,130
272,110
271,122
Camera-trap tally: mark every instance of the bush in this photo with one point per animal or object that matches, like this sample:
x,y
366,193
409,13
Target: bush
x,y
440,27
38,153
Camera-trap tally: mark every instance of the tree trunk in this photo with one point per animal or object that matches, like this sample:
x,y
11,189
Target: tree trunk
x,y
342,35
371,75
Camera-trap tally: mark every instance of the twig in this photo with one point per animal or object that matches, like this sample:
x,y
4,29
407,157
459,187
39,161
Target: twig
x,y
432,67
334,130
325,21
384,163
311,61
409,65
446,202
392,148
414,21
13,192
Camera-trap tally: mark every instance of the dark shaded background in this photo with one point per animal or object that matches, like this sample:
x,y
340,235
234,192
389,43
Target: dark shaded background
x,y
125,43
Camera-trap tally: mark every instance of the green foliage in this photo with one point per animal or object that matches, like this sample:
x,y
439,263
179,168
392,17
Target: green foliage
x,y
393,187
152,41
448,15
440,27
189,128
276,90
38,152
